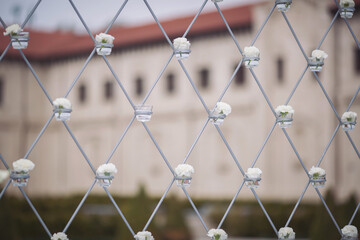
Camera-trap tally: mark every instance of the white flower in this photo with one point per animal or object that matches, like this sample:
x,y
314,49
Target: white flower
x,y
251,52
181,43
217,234
59,236
350,231
317,172
253,173
107,169
23,165
13,30
319,54
222,108
286,233
104,38
349,117
347,3
144,235
4,174
284,109
184,170
62,103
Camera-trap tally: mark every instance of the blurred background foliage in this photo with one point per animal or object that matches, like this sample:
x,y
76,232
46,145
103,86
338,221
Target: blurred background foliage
x,y
98,218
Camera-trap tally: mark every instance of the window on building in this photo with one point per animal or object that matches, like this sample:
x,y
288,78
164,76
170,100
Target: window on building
x,y
357,60
280,70
1,92
139,86
204,75
240,76
170,83
109,90
82,93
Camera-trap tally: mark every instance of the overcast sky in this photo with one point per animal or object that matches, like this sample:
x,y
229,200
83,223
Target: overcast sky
x,y
58,14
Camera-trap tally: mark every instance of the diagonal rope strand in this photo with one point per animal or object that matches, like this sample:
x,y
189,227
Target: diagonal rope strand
x,y
116,16
5,188
194,19
119,211
4,162
39,136
30,14
328,210
79,147
195,209
230,206
328,30
79,74
82,20
35,211
297,204
262,26
79,206
36,77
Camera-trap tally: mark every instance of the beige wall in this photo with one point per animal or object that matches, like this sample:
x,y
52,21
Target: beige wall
x,y
178,117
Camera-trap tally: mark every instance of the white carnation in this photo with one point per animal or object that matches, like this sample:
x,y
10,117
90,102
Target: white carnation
x,y
317,172
286,233
23,165
104,38
347,3
107,169
13,30
59,236
253,173
319,54
284,109
251,52
349,117
222,108
4,174
350,231
217,234
144,235
62,103
184,170
181,43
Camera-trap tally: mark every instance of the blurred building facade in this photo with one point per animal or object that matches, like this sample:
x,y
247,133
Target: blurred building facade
x,y
101,112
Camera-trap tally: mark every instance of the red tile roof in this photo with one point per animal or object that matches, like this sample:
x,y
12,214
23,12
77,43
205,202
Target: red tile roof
x,y
55,45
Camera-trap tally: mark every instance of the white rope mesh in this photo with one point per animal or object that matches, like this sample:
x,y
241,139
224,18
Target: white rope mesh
x,y
206,121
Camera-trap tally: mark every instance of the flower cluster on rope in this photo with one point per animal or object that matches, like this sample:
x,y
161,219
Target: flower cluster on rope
x,y
107,169
319,55
23,165
13,30
284,110
317,172
184,170
222,108
347,3
253,173
144,235
286,233
217,234
251,52
349,231
59,236
349,117
104,38
181,43
62,103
